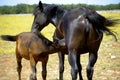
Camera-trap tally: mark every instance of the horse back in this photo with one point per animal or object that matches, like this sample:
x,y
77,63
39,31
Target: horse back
x,y
29,43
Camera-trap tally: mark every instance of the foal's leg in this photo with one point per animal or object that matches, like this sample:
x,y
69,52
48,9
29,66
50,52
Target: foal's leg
x,y
61,65
90,67
19,66
33,67
44,70
79,67
72,57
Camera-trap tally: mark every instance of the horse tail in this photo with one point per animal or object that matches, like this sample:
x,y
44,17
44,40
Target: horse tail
x,y
9,38
101,23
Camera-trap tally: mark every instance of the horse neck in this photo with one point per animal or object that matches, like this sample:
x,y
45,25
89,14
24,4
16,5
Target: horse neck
x,y
58,18
44,39
56,49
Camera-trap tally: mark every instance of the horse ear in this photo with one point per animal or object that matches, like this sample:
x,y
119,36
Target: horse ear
x,y
40,6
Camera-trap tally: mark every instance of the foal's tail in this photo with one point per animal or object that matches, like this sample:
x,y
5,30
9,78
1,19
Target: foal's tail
x,y
9,38
101,23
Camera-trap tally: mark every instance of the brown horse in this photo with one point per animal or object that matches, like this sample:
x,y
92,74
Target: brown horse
x,y
33,47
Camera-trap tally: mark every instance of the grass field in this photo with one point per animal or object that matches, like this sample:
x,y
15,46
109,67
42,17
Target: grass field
x,y
106,68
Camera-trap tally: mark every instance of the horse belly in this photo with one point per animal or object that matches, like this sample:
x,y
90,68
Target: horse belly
x,y
42,58
82,50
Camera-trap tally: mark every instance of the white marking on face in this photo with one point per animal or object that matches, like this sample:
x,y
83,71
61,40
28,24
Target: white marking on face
x,y
54,20
81,19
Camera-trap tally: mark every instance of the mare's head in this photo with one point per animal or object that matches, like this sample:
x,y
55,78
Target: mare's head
x,y
54,13
44,15
40,19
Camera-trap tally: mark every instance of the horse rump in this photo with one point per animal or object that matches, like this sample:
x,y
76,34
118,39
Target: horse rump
x,y
101,24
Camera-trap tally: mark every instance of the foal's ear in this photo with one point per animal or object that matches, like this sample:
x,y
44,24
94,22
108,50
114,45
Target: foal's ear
x,y
40,6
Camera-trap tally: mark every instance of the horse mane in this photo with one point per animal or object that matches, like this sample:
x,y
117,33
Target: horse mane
x,y
44,39
49,8
35,10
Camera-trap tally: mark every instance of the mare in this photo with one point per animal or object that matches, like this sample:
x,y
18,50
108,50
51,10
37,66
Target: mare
x,y
33,47
80,30
40,20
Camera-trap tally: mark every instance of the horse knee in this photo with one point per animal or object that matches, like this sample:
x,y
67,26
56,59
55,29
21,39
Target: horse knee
x,y
19,67
44,73
61,68
79,67
75,70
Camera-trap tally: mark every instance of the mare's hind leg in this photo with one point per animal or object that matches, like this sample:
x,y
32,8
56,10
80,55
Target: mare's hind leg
x,y
33,67
90,67
19,66
72,57
79,67
61,65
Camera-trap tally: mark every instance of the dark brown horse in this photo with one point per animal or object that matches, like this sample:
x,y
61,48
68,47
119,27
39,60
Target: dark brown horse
x,y
81,31
40,19
32,47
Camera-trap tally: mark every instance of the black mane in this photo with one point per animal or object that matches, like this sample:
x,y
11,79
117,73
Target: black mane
x,y
44,39
35,10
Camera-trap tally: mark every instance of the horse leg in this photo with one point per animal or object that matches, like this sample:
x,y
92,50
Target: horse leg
x,y
44,70
72,57
90,68
79,67
33,67
61,65
19,66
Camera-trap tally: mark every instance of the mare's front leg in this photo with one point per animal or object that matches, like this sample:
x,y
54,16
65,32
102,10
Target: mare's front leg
x,y
44,69
72,57
61,65
19,66
90,68
33,67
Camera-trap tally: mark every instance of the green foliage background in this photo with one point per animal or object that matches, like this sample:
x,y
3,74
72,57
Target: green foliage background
x,y
25,8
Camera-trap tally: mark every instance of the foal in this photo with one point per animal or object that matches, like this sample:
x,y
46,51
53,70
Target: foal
x,y
33,47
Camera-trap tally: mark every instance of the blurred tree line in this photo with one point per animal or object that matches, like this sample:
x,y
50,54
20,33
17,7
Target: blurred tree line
x,y
18,9
25,8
